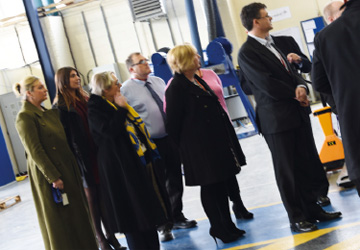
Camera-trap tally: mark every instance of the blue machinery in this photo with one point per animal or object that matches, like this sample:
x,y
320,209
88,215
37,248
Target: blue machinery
x,y
218,52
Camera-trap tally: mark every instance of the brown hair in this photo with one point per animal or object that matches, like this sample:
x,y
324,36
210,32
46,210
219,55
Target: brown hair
x,y
129,61
249,13
62,82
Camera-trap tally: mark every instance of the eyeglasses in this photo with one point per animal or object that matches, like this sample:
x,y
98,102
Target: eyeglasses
x,y
267,16
143,61
117,83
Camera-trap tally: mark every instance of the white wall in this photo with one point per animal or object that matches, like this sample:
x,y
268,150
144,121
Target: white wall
x,y
127,37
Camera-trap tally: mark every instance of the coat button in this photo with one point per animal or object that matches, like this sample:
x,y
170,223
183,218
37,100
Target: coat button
x,y
54,148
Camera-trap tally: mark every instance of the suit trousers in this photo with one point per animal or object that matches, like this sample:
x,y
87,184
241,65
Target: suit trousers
x,y
296,169
143,240
171,174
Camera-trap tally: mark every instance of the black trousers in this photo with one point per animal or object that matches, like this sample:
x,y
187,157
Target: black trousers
x,y
170,174
214,198
321,183
297,171
233,189
148,240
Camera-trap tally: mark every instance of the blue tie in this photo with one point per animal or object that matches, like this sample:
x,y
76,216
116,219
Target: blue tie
x,y
157,99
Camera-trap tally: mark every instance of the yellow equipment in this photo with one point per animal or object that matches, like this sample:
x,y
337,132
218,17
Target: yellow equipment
x,y
332,152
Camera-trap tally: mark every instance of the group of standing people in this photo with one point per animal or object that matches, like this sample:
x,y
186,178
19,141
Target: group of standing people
x,y
115,156
111,160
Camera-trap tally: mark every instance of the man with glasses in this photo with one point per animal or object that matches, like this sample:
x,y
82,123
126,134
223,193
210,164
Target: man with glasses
x,y
282,118
145,94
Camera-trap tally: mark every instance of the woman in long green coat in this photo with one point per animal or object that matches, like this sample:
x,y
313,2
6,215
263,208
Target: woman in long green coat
x,y
51,164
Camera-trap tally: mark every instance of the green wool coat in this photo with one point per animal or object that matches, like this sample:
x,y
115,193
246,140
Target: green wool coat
x,y
49,158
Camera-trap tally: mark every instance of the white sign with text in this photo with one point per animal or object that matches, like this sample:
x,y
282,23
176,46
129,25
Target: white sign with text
x,y
280,14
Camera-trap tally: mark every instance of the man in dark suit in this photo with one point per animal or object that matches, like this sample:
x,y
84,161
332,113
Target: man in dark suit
x,y
336,71
288,46
282,117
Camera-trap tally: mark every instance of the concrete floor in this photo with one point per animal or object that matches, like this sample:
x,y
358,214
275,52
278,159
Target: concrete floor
x,y
268,230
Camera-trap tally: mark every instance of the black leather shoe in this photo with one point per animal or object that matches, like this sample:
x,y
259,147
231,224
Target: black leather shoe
x,y
325,216
166,235
303,227
184,223
323,200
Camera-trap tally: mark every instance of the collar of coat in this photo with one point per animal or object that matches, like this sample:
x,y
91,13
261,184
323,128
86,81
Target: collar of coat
x,y
190,86
100,104
62,106
30,107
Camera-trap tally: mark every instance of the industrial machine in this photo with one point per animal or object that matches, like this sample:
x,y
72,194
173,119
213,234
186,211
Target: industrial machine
x,y
332,152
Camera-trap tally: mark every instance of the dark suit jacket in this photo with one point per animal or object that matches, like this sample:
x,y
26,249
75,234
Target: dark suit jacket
x,y
287,44
336,71
273,87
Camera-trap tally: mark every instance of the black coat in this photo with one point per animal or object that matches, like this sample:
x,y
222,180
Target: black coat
x,y
273,87
202,130
78,140
336,71
130,198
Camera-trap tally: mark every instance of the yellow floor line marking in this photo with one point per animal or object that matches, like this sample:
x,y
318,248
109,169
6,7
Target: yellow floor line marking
x,y
261,206
266,205
287,242
296,240
290,242
349,244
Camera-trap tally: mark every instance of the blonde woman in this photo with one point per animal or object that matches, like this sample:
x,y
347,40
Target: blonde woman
x,y
52,168
209,147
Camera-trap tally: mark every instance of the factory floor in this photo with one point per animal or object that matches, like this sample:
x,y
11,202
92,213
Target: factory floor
x,y
269,230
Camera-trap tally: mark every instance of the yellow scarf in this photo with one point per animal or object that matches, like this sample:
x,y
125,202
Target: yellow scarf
x,y
134,117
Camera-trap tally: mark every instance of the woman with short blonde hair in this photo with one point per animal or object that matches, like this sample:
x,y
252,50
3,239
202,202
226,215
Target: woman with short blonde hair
x,y
180,58
210,150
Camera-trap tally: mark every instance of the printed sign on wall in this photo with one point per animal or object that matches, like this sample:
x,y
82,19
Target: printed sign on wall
x,y
280,14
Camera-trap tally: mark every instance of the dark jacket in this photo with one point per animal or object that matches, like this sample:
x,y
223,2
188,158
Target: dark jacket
x,y
273,87
336,71
200,127
129,196
49,158
287,45
77,139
